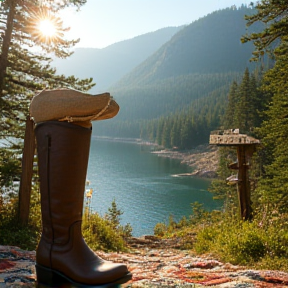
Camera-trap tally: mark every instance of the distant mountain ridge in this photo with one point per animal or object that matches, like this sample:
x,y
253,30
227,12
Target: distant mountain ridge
x,y
209,45
108,65
198,60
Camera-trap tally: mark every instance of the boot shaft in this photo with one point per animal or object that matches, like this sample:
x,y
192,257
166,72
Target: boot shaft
x,y
63,152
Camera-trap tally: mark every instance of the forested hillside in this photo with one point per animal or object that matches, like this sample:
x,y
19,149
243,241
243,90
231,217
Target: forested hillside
x,y
109,64
187,79
209,45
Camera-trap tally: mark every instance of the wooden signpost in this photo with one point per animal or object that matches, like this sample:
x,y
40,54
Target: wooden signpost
x,y
246,146
27,172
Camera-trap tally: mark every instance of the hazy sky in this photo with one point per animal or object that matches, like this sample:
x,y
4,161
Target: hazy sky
x,y
104,22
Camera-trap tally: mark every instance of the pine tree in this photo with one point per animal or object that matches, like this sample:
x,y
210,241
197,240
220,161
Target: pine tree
x,y
273,188
166,140
256,102
273,13
175,137
159,130
185,133
229,117
113,214
243,108
25,64
20,22
245,104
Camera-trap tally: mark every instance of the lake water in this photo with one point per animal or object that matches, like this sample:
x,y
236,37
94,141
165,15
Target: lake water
x,y
142,185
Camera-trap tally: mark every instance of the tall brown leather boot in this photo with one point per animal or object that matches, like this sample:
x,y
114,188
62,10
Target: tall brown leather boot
x,y
62,255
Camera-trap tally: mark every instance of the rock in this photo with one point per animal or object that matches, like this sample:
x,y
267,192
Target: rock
x,y
203,159
208,174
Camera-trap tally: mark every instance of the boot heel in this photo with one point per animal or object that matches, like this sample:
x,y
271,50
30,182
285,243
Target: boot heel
x,y
47,278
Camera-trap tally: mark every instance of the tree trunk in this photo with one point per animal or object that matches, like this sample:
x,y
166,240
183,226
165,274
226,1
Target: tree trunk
x,y
6,44
243,153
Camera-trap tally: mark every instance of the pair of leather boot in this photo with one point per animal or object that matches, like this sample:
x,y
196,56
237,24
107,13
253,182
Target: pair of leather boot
x,y
62,258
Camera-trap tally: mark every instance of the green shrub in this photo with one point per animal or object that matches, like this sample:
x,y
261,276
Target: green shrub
x,y
12,233
205,240
100,234
113,217
272,263
105,233
160,229
233,241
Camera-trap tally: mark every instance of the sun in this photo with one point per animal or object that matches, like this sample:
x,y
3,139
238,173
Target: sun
x,y
47,28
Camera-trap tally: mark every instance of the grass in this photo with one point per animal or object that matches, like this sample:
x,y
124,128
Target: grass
x,y
259,244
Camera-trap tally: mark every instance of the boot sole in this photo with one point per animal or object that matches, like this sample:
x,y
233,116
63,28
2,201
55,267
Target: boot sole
x,y
51,278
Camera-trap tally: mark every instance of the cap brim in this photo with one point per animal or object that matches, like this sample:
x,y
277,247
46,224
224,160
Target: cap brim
x,y
72,105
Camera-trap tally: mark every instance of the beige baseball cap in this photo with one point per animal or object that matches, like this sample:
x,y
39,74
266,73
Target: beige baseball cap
x,y
70,105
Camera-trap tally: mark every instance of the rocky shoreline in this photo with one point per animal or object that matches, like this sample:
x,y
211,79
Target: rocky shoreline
x,y
203,160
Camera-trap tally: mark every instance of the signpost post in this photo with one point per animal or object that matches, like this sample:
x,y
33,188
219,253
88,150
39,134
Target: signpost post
x,y
246,146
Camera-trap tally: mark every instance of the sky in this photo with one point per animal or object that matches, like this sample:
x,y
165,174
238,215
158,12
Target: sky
x,y
101,23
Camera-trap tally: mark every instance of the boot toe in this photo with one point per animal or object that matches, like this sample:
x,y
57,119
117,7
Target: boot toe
x,y
108,272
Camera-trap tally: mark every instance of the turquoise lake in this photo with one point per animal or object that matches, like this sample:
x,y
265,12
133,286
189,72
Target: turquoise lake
x,y
143,185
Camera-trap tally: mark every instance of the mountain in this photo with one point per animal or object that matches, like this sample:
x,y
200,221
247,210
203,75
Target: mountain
x,y
209,45
108,65
204,56
180,92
